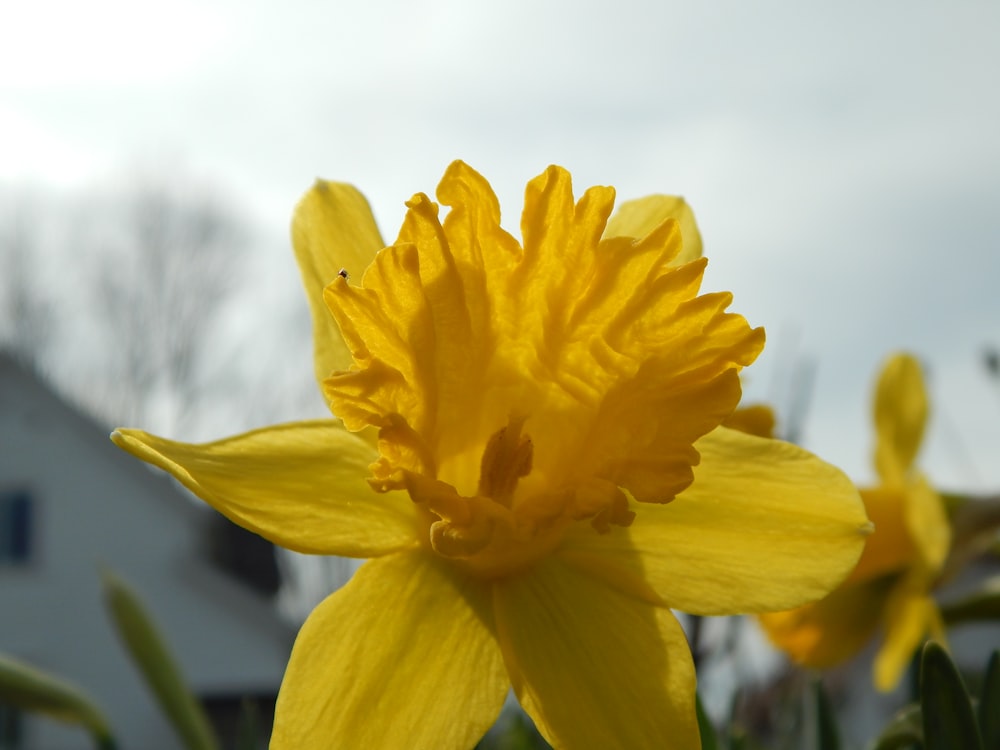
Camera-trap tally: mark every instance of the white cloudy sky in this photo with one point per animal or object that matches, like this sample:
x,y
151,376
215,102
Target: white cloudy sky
x,y
842,158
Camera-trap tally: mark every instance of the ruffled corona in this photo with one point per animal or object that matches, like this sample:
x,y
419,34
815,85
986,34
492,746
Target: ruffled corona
x,y
519,388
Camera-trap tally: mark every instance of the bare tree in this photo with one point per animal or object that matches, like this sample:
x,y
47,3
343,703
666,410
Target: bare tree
x,y
127,296
163,274
26,319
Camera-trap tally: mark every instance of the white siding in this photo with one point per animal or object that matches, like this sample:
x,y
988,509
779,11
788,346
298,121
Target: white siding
x,y
95,505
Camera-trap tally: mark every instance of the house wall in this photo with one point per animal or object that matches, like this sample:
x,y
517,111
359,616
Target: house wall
x,y
97,506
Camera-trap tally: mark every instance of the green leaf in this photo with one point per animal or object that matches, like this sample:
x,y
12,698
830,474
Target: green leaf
x,y
982,605
708,738
828,738
738,740
32,690
149,652
904,730
989,704
948,718
248,730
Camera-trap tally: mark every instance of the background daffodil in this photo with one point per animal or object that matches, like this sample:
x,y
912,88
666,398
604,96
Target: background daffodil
x,y
527,448
902,560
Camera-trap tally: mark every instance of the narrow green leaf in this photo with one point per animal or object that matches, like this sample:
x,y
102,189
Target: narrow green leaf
x,y
708,738
527,736
989,704
248,731
904,730
149,652
738,740
32,690
948,718
984,604
828,738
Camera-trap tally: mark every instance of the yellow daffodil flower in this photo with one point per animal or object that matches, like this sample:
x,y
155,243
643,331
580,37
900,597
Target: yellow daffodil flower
x,y
891,585
526,448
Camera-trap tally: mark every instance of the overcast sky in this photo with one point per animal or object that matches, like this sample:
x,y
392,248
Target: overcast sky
x,y
842,158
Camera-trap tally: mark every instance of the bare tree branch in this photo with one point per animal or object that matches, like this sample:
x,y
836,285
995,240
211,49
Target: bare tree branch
x,y
26,319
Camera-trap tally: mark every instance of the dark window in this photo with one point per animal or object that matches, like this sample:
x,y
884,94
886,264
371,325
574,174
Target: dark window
x,y
11,728
15,527
243,554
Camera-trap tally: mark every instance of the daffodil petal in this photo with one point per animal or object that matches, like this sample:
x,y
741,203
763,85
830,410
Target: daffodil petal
x,y
764,526
890,547
755,419
301,485
900,417
829,631
927,522
403,656
592,666
332,230
910,616
637,218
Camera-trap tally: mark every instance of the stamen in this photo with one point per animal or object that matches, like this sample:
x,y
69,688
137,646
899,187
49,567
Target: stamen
x,y
489,532
507,457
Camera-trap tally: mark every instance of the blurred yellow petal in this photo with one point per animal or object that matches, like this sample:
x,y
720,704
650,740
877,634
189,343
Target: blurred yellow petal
x,y
593,667
637,218
890,548
404,655
891,584
764,526
900,416
755,419
332,230
927,522
825,633
910,617
301,485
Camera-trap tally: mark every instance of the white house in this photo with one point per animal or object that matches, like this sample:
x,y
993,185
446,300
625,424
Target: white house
x,y
70,501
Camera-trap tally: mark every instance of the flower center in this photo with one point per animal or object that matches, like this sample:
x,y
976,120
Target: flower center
x,y
497,531
507,458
